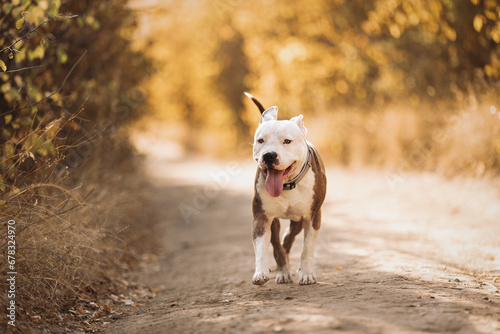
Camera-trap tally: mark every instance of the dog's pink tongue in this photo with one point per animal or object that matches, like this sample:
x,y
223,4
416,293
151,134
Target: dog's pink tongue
x,y
274,182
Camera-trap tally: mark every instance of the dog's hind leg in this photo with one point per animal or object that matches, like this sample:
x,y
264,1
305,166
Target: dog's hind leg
x,y
288,239
306,271
283,275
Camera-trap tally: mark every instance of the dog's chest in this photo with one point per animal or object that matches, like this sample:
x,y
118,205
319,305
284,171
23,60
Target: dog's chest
x,y
291,204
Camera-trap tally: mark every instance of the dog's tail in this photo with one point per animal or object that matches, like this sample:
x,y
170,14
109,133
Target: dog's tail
x,y
257,103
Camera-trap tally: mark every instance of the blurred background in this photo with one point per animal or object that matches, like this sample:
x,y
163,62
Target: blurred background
x,y
408,85
402,86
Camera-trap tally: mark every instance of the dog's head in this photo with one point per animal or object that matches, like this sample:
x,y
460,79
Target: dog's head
x,y
279,148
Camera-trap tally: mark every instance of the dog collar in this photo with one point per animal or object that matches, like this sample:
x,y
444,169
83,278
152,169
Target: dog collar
x,y
293,182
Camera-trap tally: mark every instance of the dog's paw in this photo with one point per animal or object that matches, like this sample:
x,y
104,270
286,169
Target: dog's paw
x,y
259,278
306,278
283,277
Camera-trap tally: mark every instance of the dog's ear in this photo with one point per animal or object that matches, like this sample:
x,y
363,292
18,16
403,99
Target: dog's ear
x,y
270,114
298,120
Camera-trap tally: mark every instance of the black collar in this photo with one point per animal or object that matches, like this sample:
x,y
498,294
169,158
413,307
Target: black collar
x,y
293,182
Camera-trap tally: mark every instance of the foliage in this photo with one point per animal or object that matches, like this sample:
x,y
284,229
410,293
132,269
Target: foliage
x,y
320,58
68,82
338,50
43,83
443,46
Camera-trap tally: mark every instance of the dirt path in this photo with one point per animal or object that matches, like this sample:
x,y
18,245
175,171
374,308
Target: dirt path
x,y
412,254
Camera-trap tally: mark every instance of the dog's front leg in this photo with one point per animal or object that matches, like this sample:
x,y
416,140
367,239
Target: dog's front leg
x,y
306,271
261,241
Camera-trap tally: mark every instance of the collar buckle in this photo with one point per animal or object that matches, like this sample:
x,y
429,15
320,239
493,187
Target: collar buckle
x,y
293,183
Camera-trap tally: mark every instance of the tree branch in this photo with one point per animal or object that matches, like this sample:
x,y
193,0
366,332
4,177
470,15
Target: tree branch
x,y
51,94
52,18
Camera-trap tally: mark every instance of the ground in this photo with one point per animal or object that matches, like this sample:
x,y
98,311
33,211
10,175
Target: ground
x,y
413,253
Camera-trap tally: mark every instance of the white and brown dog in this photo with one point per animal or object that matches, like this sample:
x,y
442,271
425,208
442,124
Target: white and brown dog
x,y
290,184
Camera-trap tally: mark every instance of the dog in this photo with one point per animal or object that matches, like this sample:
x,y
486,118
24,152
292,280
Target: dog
x,y
290,184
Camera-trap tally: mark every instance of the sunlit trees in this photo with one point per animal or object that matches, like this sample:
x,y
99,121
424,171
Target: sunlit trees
x,y
319,57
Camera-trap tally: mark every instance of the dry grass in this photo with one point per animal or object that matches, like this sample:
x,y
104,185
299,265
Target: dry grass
x,y
470,142
452,139
75,229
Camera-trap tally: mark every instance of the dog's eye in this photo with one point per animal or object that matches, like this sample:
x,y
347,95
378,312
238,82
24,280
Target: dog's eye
x,y
287,141
260,141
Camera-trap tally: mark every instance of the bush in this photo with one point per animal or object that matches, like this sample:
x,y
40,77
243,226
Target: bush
x,y
70,83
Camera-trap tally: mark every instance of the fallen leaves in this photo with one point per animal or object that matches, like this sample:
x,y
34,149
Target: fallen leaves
x,y
94,315
81,310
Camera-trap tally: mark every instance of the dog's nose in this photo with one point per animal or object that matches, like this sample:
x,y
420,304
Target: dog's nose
x,y
270,158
